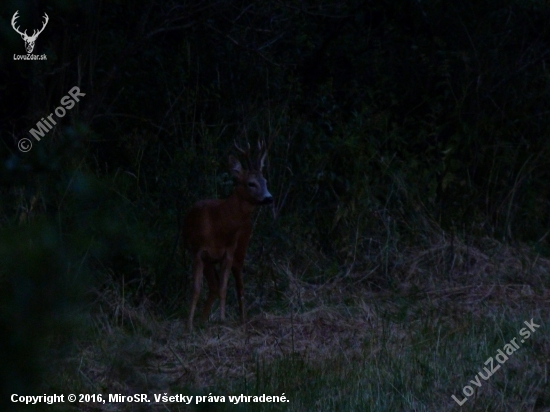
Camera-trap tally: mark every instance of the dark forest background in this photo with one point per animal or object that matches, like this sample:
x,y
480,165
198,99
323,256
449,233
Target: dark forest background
x,y
392,124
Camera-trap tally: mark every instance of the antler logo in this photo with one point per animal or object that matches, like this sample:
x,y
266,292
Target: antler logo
x,y
29,40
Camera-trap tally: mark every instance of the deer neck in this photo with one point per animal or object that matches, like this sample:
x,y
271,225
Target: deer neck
x,y
241,208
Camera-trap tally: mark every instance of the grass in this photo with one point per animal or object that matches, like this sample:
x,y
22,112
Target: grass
x,y
341,344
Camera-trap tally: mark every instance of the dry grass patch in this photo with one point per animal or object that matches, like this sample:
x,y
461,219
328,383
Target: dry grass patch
x,y
414,344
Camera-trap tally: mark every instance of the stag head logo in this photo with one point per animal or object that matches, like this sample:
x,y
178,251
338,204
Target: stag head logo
x,y
29,40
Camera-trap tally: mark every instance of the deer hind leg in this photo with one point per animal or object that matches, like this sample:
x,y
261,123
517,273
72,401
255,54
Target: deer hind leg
x,y
212,278
238,273
198,268
225,269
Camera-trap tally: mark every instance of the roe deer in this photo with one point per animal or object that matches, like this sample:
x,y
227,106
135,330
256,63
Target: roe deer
x,y
218,231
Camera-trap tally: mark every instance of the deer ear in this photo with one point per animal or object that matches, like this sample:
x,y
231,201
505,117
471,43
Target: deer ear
x,y
235,167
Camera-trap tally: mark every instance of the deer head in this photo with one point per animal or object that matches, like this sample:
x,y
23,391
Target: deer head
x,y
29,40
251,180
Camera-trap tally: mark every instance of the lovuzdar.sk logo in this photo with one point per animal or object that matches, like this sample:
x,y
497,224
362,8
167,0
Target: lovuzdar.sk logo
x,y
29,40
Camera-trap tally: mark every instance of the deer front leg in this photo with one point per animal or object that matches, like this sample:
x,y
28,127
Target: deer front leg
x,y
198,268
225,269
238,264
238,273
213,289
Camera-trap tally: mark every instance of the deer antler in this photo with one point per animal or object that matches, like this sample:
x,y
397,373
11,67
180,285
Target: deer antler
x,y
262,153
37,32
245,153
13,22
